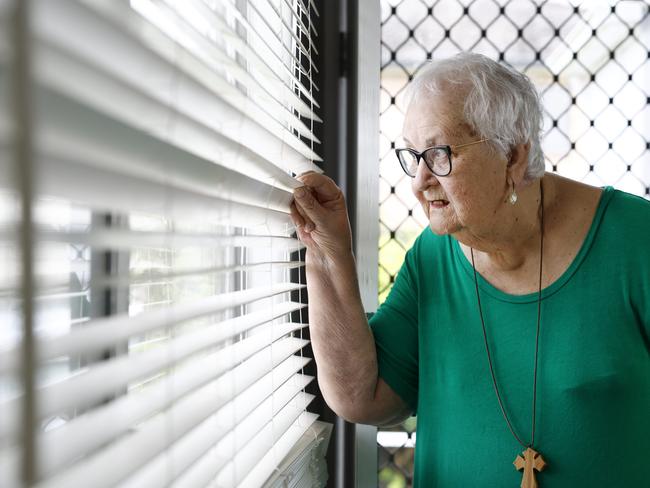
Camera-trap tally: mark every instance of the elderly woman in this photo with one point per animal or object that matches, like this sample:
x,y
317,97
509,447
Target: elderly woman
x,y
518,327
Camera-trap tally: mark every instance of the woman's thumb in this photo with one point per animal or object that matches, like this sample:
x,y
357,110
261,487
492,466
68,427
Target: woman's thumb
x,y
307,202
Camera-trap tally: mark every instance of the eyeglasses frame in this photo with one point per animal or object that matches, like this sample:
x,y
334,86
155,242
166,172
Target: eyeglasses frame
x,y
420,155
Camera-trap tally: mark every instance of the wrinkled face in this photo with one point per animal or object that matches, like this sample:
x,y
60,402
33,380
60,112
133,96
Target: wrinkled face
x,y
470,197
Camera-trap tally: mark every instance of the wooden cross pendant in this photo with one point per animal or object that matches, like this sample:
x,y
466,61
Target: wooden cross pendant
x,y
531,461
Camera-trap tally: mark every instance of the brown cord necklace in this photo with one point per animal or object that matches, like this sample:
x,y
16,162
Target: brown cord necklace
x,y
530,460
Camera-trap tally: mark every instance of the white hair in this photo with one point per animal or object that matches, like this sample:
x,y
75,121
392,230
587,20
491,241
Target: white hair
x,y
501,104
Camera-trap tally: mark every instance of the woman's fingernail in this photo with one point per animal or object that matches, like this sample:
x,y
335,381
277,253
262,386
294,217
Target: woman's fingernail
x,y
299,192
309,227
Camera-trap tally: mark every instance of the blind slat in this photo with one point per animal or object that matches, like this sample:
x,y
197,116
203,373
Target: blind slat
x,y
249,456
144,112
304,28
103,333
257,404
110,465
286,29
261,470
231,10
305,465
62,296
170,13
85,137
102,379
209,465
270,74
311,9
67,179
97,139
87,49
69,129
245,455
51,283
312,5
162,274
51,403
108,422
126,239
138,122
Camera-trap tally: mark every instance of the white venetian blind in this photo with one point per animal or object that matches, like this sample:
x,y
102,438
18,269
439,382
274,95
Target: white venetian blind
x,y
165,137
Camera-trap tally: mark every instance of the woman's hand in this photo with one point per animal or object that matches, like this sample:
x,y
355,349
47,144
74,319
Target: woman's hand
x,y
321,217
342,342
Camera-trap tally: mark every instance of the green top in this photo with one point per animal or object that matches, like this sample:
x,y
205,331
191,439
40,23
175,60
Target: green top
x,y
593,391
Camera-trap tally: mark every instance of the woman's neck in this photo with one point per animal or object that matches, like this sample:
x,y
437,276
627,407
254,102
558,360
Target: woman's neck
x,y
512,241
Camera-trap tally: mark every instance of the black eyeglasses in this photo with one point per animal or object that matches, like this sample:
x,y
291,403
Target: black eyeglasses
x,y
437,158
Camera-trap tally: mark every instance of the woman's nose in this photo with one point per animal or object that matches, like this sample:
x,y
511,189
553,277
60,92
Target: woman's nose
x,y
424,177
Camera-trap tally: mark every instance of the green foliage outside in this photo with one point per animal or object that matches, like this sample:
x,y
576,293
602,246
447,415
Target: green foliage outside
x,y
391,257
389,477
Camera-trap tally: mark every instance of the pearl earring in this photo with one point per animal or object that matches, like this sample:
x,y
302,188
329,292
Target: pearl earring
x,y
513,195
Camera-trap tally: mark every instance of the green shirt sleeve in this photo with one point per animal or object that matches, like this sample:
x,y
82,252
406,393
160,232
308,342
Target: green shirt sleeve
x,y
632,213
395,328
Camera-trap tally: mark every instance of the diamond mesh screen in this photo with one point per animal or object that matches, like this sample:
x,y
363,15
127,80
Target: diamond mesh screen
x,y
590,62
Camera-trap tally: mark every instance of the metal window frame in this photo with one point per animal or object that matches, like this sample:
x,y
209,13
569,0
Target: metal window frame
x,y
349,69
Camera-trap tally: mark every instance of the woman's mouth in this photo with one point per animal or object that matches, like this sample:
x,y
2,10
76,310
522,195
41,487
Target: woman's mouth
x,y
438,204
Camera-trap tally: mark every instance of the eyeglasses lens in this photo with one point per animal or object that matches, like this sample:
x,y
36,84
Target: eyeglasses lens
x,y
409,162
437,160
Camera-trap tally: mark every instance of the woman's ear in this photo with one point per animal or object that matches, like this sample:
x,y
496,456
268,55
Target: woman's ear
x,y
518,161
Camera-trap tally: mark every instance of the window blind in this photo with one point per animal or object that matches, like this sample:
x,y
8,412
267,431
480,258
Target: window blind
x,y
163,140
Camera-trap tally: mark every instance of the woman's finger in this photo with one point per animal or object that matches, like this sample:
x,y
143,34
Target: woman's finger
x,y
323,188
297,219
307,224
308,206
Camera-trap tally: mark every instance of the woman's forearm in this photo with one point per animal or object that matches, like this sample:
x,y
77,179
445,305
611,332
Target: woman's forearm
x,y
343,345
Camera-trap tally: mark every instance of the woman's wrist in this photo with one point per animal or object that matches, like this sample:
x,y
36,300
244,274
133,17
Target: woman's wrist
x,y
334,262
